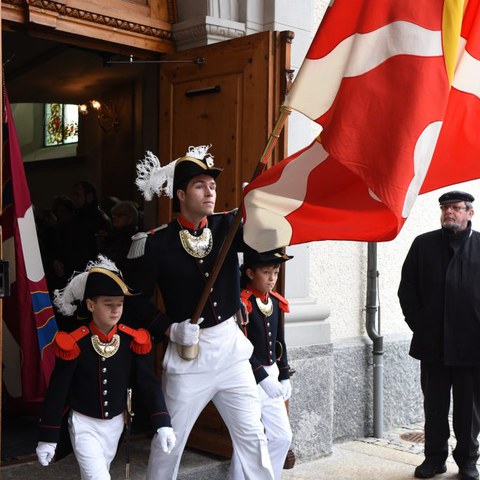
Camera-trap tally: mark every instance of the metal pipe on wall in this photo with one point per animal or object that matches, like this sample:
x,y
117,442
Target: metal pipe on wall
x,y
371,313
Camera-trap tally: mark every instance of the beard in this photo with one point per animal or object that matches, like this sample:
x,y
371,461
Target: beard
x,y
451,225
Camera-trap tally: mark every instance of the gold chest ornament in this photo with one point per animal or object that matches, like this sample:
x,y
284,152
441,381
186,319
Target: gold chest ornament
x,y
265,308
106,349
198,247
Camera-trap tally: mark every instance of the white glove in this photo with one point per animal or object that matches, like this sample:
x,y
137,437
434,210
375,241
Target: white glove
x,y
185,333
45,452
287,388
273,388
167,439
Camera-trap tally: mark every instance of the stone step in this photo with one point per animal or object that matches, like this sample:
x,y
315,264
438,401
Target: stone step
x,y
194,466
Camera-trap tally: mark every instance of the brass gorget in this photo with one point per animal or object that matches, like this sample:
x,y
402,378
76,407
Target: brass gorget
x,y
265,308
197,247
106,349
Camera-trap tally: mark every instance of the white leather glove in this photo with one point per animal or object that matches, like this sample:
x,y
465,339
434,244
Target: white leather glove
x,y
273,388
287,388
45,452
167,439
185,333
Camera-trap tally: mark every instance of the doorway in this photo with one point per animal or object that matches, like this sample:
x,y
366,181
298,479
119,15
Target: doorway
x,y
231,100
110,141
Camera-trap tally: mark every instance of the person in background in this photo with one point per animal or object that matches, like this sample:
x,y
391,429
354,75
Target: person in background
x,y
82,234
264,327
94,222
57,245
95,365
440,298
116,245
178,258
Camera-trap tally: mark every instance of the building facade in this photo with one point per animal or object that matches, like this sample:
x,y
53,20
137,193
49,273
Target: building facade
x,y
335,371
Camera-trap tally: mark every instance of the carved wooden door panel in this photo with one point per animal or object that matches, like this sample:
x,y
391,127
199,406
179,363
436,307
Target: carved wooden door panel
x,y
230,99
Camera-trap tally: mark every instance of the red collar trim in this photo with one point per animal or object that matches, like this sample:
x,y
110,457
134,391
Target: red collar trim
x,y
102,337
262,296
191,226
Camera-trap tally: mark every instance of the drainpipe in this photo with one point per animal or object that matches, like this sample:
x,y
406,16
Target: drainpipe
x,y
377,339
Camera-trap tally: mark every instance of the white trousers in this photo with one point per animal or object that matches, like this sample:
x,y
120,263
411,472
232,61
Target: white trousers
x,y
277,428
94,443
221,373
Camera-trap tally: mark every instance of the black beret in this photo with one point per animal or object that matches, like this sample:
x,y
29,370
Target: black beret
x,y
252,258
455,196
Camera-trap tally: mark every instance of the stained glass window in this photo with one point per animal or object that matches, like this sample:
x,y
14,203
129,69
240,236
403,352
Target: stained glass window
x,y
61,124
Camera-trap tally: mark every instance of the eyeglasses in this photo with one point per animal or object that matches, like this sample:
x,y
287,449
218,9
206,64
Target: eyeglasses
x,y
455,208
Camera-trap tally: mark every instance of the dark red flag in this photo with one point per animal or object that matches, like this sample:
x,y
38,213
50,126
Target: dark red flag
x,y
29,321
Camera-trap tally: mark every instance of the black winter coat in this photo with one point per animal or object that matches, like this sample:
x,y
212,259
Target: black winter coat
x,y
440,297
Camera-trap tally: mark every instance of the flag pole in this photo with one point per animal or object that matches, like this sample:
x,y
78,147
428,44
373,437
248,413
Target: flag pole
x,y
191,352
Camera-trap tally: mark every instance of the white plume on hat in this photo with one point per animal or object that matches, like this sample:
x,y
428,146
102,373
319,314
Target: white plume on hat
x,y
65,298
201,153
153,179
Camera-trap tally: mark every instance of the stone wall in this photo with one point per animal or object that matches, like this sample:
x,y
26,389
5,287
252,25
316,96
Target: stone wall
x,y
332,398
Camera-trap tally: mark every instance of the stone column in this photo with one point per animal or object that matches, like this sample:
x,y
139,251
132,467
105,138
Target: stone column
x,y
203,22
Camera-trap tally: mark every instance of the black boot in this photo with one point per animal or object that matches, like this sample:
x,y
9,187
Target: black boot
x,y
469,472
429,468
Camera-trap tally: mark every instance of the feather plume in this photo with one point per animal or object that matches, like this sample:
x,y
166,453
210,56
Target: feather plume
x,y
153,179
199,152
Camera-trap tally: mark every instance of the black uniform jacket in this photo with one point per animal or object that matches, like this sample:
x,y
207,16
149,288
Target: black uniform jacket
x,y
181,277
97,386
440,297
267,334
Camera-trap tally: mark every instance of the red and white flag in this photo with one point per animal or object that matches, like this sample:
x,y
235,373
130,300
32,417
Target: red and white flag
x,y
457,155
377,78
29,324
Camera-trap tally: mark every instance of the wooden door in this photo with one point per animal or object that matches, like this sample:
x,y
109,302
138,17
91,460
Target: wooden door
x,y
231,101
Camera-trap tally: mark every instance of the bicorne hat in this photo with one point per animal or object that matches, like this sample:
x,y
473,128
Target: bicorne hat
x,y
197,161
100,278
153,179
253,259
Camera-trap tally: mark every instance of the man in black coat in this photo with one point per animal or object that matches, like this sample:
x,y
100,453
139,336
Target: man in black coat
x,y
440,297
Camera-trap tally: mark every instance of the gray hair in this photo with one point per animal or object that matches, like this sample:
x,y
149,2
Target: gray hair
x,y
128,208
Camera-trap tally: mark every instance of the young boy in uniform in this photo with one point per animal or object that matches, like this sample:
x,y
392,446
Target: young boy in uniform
x,y
264,327
94,368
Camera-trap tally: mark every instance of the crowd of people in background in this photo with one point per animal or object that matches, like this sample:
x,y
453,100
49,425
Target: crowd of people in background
x,y
76,229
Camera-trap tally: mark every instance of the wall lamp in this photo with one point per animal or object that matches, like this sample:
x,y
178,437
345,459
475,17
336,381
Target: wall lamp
x,y
105,112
